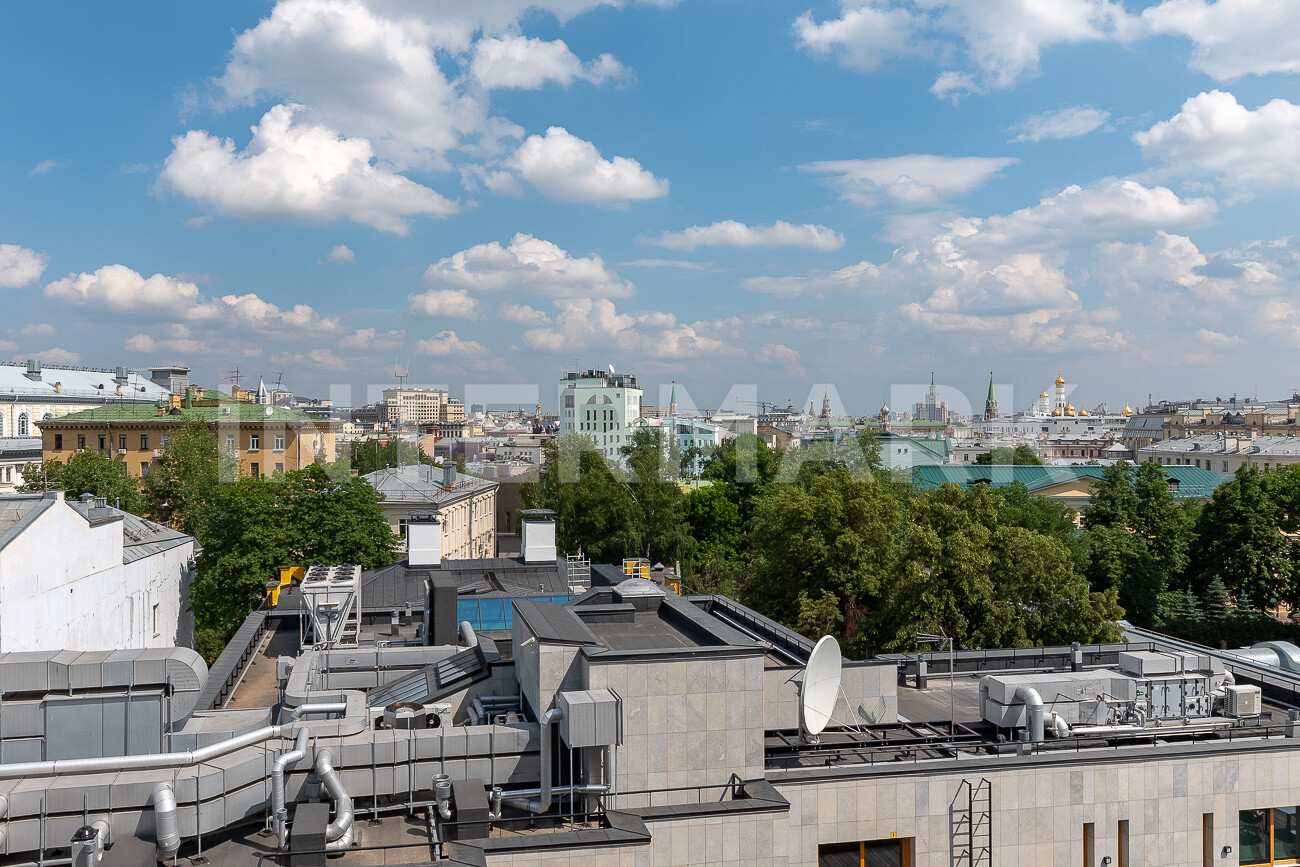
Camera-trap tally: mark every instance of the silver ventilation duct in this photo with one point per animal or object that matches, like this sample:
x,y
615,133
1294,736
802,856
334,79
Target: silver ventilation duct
x,y
339,833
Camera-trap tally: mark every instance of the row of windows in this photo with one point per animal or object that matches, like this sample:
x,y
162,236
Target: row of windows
x,y
1209,464
255,442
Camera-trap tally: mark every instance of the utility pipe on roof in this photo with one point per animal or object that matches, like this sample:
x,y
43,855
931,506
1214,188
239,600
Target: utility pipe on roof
x,y
166,828
278,807
467,633
339,833
179,759
1034,709
542,802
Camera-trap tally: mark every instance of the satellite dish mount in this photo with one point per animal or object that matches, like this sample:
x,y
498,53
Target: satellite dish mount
x,y
820,689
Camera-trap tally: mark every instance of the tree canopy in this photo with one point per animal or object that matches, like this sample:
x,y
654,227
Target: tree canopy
x,y
1006,455
87,472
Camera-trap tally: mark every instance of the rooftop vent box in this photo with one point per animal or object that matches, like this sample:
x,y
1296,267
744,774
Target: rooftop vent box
x,y
591,717
423,540
537,527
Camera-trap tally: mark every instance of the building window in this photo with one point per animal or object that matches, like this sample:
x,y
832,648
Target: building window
x,y
2,425
1089,844
230,443
163,440
253,442
103,443
279,442
884,853
1268,836
156,620
1123,859
144,468
24,425
58,442
81,441
121,441
279,469
255,471
144,442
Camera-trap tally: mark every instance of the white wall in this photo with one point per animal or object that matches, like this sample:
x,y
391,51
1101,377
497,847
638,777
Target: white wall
x,y
63,586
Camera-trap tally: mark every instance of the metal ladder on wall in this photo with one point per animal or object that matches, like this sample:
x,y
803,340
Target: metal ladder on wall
x,y
970,825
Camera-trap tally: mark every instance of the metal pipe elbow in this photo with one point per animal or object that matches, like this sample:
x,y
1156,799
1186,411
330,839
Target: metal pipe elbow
x,y
467,633
166,828
1033,709
343,812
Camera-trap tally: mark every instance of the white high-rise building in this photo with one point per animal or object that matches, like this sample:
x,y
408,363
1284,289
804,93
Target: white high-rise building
x,y
602,406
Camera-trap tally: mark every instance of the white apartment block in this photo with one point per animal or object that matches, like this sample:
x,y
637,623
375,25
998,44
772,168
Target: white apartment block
x,y
601,406
421,406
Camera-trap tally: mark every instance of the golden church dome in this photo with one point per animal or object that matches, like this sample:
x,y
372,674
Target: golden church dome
x,y
1126,410
1060,380
1083,412
1056,412
1069,409
1044,394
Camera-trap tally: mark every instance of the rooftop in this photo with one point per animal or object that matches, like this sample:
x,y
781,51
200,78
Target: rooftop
x,y
424,484
1189,481
64,383
147,413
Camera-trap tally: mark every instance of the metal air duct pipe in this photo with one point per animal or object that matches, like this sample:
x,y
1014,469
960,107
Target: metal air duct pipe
x,y
442,792
542,802
339,833
155,761
467,633
324,707
166,828
1034,710
277,786
1060,727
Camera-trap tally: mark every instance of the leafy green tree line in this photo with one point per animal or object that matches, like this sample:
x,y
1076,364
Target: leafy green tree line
x,y
245,527
827,541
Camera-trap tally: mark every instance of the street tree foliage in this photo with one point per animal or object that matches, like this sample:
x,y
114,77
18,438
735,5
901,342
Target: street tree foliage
x,y
596,514
1239,536
1023,455
653,464
87,472
250,527
183,479
368,455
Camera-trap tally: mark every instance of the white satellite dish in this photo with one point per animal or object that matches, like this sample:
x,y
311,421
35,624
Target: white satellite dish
x,y
611,368
821,686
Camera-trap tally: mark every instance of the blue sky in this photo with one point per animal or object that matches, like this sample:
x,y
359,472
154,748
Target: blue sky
x,y
846,194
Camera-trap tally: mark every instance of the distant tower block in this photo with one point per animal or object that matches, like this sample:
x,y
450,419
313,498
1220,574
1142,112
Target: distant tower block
x,y
991,402
672,401
826,404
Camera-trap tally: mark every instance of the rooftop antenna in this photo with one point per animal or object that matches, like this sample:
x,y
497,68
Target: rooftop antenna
x,y
820,690
233,377
279,380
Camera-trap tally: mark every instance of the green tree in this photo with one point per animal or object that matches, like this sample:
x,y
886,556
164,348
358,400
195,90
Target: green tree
x,y
652,471
1021,455
748,465
595,511
836,535
714,518
987,584
87,472
1216,601
184,478
1239,538
250,527
328,521
368,455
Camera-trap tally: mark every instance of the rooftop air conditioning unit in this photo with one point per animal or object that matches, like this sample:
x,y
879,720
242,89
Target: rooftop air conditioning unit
x,y
1239,701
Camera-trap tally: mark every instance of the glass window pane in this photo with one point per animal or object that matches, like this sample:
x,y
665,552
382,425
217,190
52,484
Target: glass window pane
x,y
467,609
1285,846
1253,840
492,613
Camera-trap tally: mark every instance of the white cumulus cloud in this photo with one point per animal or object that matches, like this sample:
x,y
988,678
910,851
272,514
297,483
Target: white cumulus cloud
x,y
914,180
298,171
527,265
457,303
120,289
1249,151
19,266
341,253
730,233
528,64
446,344
1233,38
1072,121
562,166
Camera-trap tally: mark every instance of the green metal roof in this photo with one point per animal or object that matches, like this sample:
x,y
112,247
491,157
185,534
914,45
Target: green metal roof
x,y
144,413
1192,481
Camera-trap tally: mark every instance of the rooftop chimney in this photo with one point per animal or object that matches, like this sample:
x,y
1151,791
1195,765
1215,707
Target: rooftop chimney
x,y
423,540
33,368
537,527
120,375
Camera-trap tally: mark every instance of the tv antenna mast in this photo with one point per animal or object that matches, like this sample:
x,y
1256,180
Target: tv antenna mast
x,y
279,380
234,377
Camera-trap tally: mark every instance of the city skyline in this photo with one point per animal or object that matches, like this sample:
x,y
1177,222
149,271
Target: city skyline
x,y
843,193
